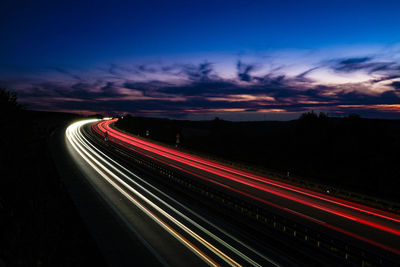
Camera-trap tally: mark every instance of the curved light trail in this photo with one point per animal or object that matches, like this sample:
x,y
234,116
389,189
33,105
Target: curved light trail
x,y
206,240
251,185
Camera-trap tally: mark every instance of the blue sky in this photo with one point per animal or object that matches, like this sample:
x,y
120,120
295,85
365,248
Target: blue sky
x,y
199,59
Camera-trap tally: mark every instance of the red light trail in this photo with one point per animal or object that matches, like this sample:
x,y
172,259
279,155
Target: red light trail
x,y
368,216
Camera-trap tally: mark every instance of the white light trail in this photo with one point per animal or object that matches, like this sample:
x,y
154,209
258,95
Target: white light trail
x,y
249,260
110,170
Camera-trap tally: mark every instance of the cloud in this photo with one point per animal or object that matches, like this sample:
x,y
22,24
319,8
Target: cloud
x,y
67,72
202,72
396,85
302,77
351,64
207,88
244,71
80,90
178,89
368,64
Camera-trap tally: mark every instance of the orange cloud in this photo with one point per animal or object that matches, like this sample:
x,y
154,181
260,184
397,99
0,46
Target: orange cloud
x,y
379,107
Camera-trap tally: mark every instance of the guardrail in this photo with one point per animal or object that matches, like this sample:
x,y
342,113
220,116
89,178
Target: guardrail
x,y
294,179
262,219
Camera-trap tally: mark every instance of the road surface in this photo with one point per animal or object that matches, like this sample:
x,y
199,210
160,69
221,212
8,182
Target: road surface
x,y
171,231
153,224
376,227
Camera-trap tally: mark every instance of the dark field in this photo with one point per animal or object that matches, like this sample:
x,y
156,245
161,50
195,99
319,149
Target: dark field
x,y
351,154
39,225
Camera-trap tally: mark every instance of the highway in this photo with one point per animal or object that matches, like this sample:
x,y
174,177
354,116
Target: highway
x,y
279,218
175,233
370,225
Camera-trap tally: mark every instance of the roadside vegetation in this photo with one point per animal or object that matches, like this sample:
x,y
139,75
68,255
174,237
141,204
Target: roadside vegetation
x,y
39,224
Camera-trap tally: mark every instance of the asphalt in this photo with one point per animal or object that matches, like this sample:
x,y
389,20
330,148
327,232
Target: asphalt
x,y
341,218
120,244
350,221
115,204
136,223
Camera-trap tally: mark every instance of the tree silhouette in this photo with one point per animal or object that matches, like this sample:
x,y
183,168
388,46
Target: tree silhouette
x,y
9,106
309,116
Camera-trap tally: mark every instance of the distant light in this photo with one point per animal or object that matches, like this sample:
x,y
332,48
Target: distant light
x,y
107,118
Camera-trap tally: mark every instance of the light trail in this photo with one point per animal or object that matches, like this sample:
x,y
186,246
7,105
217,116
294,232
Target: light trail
x,y
111,171
219,169
292,193
105,126
108,160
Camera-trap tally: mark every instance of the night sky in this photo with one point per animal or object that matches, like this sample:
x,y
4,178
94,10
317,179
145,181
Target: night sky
x,y
239,60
